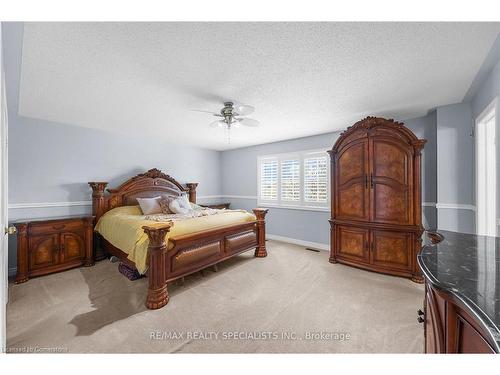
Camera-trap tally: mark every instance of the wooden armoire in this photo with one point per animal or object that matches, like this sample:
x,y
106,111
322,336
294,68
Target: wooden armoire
x,y
376,218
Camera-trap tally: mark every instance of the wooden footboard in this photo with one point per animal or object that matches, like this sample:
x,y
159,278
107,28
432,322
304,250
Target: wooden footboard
x,y
190,253
194,252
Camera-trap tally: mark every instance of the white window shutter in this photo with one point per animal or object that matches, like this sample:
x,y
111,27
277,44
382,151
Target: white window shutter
x,y
316,179
269,180
290,180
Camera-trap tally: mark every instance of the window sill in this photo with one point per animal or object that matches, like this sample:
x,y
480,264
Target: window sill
x,y
291,207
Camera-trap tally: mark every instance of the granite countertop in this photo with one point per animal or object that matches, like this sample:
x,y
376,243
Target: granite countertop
x,y
467,266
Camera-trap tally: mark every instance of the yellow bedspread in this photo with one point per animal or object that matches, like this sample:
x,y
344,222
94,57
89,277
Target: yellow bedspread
x,y
122,227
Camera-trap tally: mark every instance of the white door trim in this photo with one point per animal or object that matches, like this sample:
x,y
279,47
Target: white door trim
x,y
4,260
491,108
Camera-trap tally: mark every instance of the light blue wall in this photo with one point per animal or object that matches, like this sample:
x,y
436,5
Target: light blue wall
x,y
425,128
488,87
239,178
456,147
51,162
455,167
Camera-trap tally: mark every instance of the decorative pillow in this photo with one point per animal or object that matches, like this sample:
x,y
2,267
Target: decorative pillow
x,y
176,208
184,201
165,202
150,206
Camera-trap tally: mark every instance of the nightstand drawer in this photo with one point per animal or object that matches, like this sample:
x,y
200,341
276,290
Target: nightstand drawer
x,y
56,226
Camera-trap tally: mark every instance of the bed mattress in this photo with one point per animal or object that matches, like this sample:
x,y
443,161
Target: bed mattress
x,y
122,227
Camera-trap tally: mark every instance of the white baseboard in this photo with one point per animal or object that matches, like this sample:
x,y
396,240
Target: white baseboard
x,y
295,241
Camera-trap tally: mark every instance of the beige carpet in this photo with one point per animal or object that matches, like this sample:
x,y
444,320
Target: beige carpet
x,y
251,305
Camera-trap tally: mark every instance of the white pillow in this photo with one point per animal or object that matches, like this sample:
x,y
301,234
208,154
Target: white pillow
x,y
176,208
184,202
150,206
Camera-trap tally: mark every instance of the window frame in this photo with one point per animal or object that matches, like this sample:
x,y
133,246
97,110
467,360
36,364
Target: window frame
x,y
301,204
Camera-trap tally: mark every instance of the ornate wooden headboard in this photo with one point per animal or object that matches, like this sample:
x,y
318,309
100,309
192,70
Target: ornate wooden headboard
x,y
145,185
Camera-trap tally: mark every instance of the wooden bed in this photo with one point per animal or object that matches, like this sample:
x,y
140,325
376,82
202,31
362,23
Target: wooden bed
x,y
190,253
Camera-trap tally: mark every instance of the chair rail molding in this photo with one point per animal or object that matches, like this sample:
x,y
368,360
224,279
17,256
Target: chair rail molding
x,y
428,204
456,206
14,206
18,206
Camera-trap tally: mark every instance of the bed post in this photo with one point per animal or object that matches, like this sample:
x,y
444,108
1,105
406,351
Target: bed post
x,y
260,214
98,199
158,265
98,206
192,191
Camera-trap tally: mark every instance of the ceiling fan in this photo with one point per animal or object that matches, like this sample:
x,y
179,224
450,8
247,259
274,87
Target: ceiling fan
x,y
230,116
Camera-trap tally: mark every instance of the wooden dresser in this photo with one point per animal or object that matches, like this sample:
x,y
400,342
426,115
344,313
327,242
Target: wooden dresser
x,y
52,245
461,311
376,218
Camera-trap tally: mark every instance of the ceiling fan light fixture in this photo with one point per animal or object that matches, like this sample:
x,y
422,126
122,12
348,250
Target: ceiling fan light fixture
x,y
230,117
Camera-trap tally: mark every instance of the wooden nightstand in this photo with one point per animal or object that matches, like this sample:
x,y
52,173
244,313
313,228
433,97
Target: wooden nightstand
x,y
51,245
218,206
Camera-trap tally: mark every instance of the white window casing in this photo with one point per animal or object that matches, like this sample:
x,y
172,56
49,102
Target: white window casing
x,y
299,180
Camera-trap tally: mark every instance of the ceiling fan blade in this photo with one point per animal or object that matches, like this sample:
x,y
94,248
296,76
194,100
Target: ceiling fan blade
x,y
216,123
201,110
243,109
249,122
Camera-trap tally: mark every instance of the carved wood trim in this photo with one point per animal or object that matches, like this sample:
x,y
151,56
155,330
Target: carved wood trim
x,y
153,180
367,124
157,273
192,191
260,214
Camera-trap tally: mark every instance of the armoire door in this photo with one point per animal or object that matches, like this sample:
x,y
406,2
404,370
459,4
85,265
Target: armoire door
x,y
353,243
351,182
391,184
391,249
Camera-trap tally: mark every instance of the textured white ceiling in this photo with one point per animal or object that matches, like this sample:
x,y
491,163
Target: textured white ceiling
x,y
303,78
